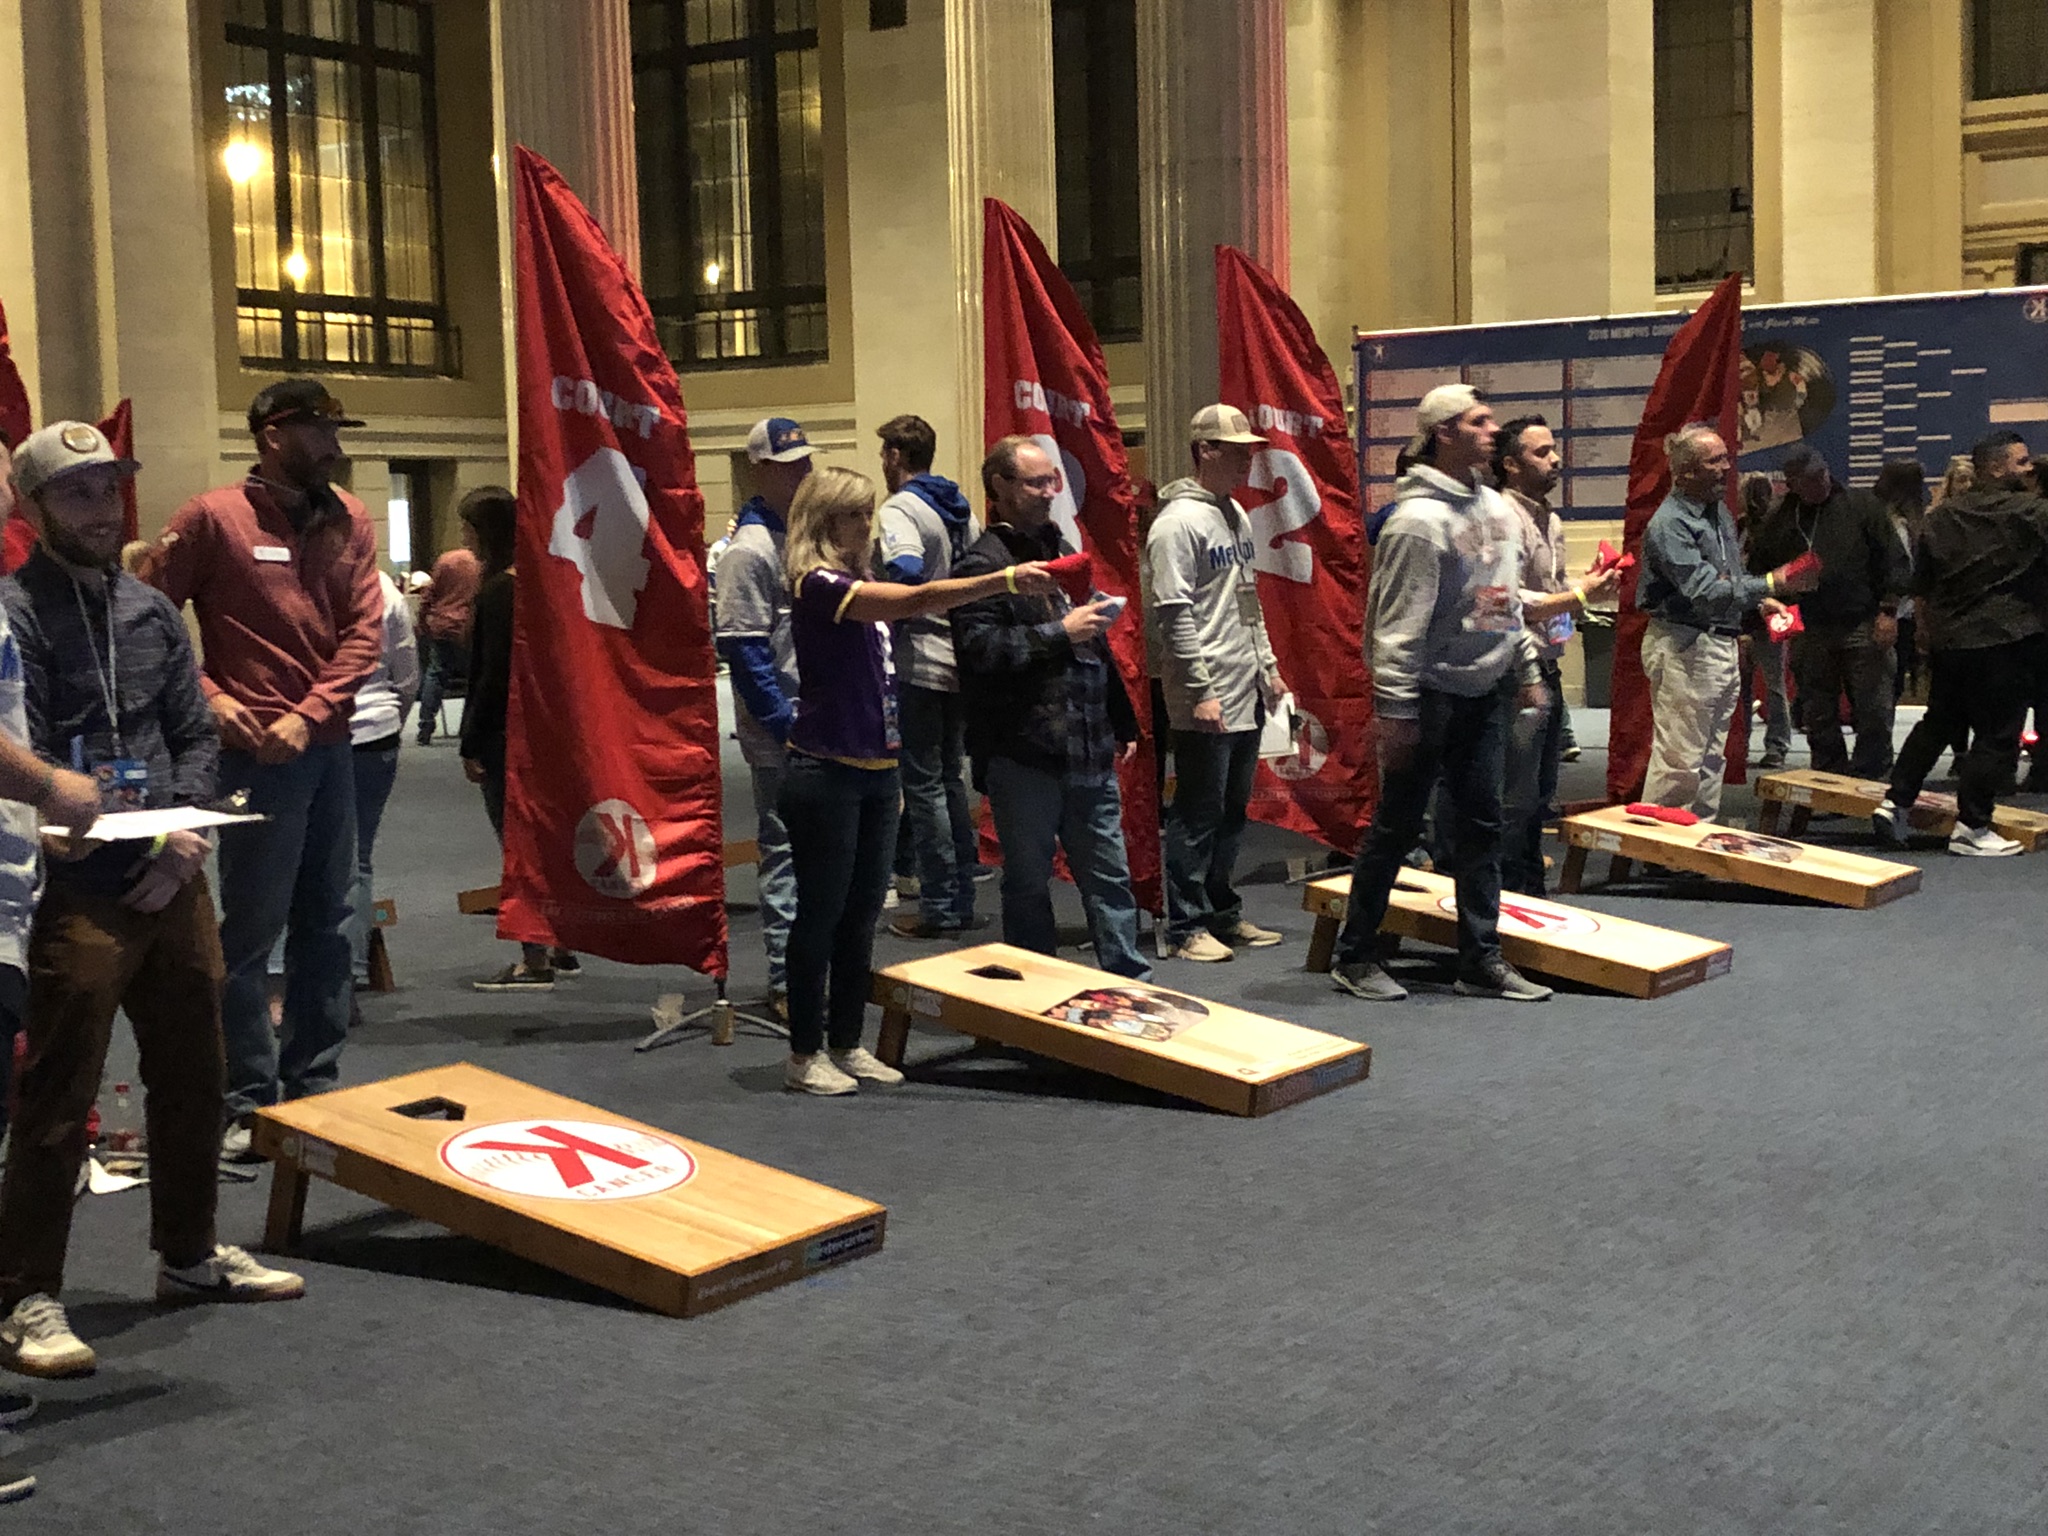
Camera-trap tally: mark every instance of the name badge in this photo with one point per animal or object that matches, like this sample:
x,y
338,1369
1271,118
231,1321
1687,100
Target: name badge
x,y
123,784
275,554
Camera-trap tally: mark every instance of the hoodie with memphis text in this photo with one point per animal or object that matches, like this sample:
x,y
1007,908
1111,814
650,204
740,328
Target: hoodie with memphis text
x,y
1445,609
1207,633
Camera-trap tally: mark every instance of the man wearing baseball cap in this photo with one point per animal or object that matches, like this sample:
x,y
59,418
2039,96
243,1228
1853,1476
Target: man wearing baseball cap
x,y
751,622
282,573
111,686
1219,676
1451,662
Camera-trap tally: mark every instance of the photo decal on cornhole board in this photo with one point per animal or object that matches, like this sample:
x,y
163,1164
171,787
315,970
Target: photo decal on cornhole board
x,y
1526,914
1138,1013
567,1160
1752,845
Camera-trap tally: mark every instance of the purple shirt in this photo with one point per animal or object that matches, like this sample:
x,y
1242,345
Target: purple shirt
x,y
846,694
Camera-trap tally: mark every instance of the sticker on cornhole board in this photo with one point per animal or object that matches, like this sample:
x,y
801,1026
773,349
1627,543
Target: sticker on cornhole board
x,y
567,1160
1529,915
1752,845
1139,1013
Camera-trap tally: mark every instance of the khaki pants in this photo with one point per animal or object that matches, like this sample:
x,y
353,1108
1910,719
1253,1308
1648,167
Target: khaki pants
x,y
1694,679
87,956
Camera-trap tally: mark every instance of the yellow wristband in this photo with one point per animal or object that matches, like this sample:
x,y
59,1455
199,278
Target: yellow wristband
x,y
1579,593
1010,578
157,846
1771,583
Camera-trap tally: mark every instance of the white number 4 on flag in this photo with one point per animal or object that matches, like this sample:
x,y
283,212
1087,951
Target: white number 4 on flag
x,y
601,525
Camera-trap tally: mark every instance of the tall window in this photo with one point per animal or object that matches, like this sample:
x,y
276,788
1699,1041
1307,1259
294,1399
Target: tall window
x,y
330,153
1704,218
1095,134
2009,48
730,131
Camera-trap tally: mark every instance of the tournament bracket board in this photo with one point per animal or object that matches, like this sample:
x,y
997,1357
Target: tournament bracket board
x,y
1730,853
672,1224
1613,954
1239,1062
1807,790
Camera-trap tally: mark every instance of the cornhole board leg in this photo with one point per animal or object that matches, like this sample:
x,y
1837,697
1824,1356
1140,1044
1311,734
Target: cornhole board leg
x,y
1802,815
287,1216
1322,943
1574,873
1767,816
894,1038
1617,870
1229,1059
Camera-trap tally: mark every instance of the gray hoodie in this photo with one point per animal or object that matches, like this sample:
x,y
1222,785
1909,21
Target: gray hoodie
x,y
1445,610
1202,613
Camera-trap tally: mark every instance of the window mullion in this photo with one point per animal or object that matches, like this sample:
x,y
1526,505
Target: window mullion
x,y
363,67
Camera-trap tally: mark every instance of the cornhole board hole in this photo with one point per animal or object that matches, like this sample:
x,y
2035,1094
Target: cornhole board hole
x,y
1728,853
669,1223
1546,937
1807,790
484,899
1239,1062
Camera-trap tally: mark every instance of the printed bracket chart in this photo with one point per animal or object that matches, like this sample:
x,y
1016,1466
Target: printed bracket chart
x,y
1727,853
672,1224
1614,954
1806,790
1229,1059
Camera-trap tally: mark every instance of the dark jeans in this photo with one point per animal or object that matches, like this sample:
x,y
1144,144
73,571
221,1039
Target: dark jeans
x,y
1985,691
533,956
1465,742
294,874
1828,663
1529,784
447,676
842,835
935,803
376,772
88,955
1213,785
13,1000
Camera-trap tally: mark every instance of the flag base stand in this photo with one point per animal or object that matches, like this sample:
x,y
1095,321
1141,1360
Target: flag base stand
x,y
717,1019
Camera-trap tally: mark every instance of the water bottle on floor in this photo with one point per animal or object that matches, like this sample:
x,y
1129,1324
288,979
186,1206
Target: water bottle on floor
x,y
121,1131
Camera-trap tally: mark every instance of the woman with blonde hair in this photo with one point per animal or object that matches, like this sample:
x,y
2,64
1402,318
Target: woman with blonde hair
x,y
1960,476
840,792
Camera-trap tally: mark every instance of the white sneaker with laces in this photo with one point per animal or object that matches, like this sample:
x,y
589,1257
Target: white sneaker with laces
x,y
36,1340
1981,843
816,1074
227,1274
864,1064
1203,946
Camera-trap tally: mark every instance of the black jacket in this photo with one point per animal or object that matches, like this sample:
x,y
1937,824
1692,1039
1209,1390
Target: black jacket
x,y
1982,567
1863,565
490,671
1014,659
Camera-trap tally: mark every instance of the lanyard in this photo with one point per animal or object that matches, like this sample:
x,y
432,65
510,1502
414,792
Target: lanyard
x,y
109,680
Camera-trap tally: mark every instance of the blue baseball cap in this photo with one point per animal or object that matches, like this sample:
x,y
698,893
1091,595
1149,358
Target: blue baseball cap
x,y
778,440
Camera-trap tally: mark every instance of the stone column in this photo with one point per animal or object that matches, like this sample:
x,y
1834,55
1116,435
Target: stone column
x,y
1827,132
1212,147
566,77
953,107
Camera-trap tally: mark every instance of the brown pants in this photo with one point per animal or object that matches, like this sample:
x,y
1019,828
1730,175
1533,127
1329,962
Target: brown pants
x,y
87,956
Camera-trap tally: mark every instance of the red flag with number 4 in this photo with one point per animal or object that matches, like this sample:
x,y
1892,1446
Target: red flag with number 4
x,y
613,840
1044,377
1303,505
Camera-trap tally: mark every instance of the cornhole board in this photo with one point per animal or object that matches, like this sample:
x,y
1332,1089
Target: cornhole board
x,y
1239,1062
1546,937
1807,790
1727,853
669,1223
484,899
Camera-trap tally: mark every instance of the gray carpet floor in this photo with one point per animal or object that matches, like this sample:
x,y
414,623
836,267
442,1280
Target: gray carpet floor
x,y
1763,1256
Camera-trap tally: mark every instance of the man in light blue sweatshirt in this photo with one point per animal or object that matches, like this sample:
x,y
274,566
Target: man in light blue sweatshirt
x,y
1451,663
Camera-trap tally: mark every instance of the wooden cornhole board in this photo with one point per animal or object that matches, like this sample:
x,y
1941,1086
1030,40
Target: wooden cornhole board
x,y
484,899
672,1224
1226,1058
1807,790
1729,853
1592,948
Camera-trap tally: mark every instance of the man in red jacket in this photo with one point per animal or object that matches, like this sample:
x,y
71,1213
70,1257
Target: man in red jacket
x,y
282,573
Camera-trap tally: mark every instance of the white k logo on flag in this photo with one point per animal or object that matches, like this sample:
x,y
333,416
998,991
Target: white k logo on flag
x,y
602,526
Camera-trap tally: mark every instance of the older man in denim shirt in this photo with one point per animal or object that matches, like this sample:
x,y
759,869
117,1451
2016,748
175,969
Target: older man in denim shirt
x,y
1696,594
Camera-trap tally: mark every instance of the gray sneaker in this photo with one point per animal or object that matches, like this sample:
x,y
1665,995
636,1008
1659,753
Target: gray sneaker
x,y
1889,823
1498,979
1362,978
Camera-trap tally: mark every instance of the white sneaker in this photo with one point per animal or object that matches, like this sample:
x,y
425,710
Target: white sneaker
x,y
36,1340
235,1147
1203,946
909,887
816,1074
866,1065
890,900
227,1274
1981,843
